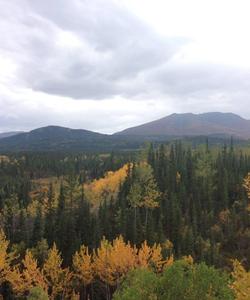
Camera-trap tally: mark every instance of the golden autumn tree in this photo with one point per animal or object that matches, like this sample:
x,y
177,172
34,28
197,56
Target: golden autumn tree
x,y
102,265
241,284
106,187
27,276
156,261
58,279
31,274
151,257
5,258
144,254
122,259
7,272
83,267
112,261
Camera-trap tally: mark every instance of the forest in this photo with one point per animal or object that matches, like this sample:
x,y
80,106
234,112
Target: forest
x,y
171,221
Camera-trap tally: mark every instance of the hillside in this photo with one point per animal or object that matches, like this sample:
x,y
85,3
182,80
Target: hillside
x,y
56,138
8,134
51,138
214,123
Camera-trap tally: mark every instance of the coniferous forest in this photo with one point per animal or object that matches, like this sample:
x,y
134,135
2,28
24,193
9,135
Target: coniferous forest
x,y
171,221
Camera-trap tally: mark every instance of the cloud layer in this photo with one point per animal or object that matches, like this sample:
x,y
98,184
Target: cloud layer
x,y
96,65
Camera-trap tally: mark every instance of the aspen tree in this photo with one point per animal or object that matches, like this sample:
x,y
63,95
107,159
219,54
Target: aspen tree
x,y
241,284
57,278
83,267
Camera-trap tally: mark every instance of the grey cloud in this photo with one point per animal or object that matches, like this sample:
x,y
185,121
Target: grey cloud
x,y
115,54
116,48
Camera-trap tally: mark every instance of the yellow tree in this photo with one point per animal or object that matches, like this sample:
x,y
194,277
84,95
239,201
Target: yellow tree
x,y
106,187
144,254
83,267
24,278
156,261
102,265
31,274
58,279
246,184
122,259
241,284
7,273
112,261
5,258
151,257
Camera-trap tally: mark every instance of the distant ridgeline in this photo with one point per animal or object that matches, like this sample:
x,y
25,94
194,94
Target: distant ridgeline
x,y
195,129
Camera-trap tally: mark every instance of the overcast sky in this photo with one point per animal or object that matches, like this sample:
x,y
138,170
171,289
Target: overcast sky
x,y
105,65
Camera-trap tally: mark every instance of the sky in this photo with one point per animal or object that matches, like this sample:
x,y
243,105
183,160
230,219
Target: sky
x,y
105,65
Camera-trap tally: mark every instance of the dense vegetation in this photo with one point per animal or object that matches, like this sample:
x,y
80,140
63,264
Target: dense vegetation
x,y
190,202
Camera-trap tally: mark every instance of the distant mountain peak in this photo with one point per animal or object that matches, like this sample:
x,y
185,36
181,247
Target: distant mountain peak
x,y
189,124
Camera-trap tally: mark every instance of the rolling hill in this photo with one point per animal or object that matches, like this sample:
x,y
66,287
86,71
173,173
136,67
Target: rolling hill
x,y
56,138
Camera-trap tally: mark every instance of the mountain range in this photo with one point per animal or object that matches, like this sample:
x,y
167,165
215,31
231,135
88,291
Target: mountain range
x,y
188,125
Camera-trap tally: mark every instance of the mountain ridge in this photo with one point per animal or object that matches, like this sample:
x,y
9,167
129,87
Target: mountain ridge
x,y
189,124
57,138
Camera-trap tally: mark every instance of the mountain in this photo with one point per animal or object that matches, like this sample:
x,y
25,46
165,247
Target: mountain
x,y
50,138
217,126
56,138
188,124
11,133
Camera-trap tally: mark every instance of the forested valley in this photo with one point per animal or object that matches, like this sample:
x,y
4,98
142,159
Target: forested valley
x,y
171,221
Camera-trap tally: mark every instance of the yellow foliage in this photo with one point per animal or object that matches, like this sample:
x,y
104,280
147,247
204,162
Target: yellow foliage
x,y
30,276
122,258
169,261
151,257
188,259
113,260
6,259
110,262
57,278
82,263
105,187
102,263
144,255
16,280
246,184
241,284
156,257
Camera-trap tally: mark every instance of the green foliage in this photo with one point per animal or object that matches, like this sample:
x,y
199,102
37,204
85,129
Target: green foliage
x,y
182,281
140,284
37,293
191,282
